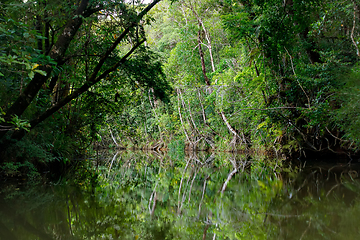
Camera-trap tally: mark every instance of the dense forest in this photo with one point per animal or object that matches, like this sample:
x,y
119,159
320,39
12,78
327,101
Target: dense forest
x,y
278,76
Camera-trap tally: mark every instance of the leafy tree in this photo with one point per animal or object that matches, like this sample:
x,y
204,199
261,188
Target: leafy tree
x,y
291,39
269,75
74,46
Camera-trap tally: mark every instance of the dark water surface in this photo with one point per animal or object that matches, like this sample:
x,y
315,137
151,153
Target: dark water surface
x,y
152,196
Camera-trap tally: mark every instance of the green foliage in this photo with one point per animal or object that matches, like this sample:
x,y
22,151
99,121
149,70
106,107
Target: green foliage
x,y
20,124
346,116
2,113
26,169
275,74
176,149
37,75
28,150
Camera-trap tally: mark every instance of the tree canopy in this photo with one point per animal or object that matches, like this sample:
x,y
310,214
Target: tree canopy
x,y
55,52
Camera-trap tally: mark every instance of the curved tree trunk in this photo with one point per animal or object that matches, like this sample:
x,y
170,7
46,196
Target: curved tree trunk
x,y
57,53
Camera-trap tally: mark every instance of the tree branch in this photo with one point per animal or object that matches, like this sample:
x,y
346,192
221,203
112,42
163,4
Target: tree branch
x,y
92,81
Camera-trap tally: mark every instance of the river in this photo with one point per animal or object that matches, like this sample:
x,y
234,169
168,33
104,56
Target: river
x,y
150,195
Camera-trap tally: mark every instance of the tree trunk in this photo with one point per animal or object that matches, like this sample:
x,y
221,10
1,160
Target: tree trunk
x,y
201,53
57,53
92,81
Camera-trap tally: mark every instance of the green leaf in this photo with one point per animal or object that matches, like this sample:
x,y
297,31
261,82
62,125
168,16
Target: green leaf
x,y
31,75
28,66
261,125
41,72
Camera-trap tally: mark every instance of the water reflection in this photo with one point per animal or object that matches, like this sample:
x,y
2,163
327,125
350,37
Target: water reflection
x,y
200,196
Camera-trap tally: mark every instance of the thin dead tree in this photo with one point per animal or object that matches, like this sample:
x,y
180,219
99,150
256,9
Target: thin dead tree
x,y
207,36
353,29
152,103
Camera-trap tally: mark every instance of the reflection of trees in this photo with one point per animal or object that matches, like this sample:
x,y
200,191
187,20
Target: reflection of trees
x,y
317,204
66,213
149,196
237,197
177,195
26,217
196,194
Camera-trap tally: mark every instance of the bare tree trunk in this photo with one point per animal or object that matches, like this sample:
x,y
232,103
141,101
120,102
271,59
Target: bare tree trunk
x,y
181,118
201,53
209,45
204,116
190,114
353,29
231,129
112,136
205,231
206,33
154,110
